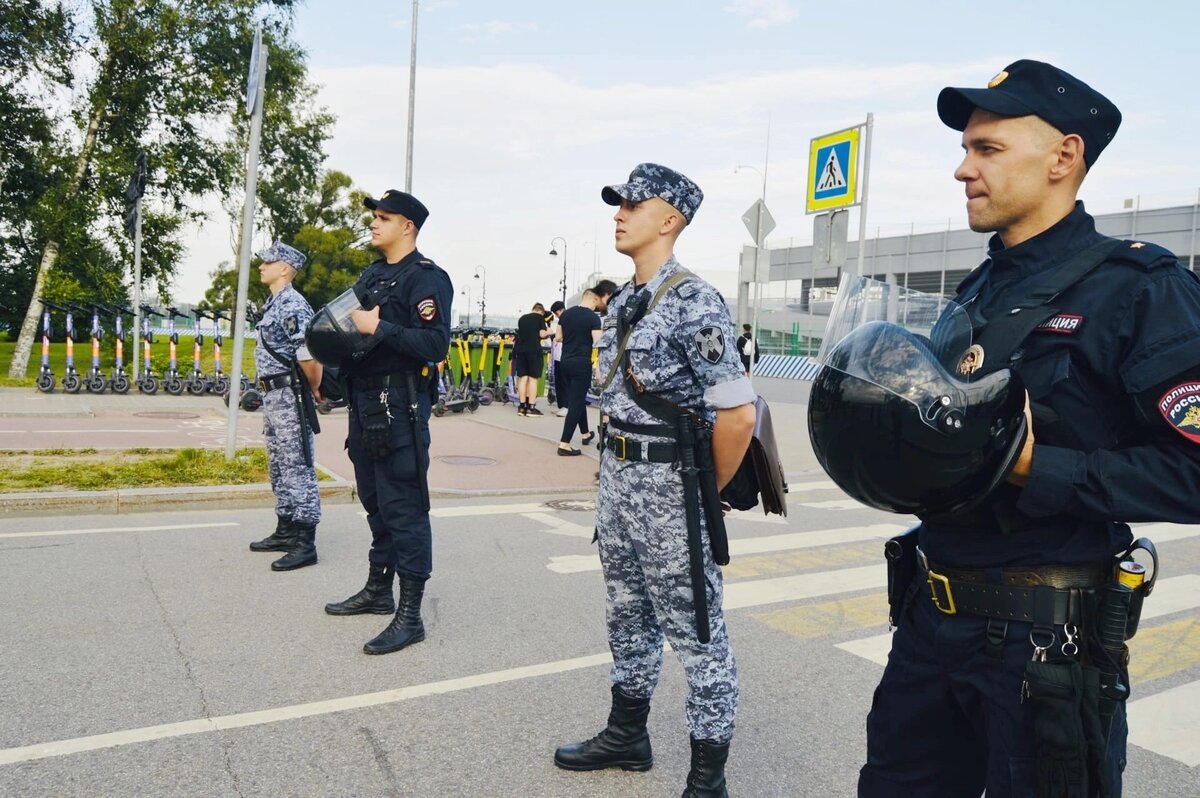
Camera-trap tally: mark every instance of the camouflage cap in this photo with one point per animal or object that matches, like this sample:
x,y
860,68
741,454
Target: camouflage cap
x,y
280,251
649,180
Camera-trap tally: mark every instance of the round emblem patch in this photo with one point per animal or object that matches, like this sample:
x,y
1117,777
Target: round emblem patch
x,y
710,343
1180,406
972,361
1000,78
427,309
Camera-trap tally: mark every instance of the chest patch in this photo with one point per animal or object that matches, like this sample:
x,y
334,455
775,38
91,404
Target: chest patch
x,y
1180,406
291,325
710,343
1062,324
427,309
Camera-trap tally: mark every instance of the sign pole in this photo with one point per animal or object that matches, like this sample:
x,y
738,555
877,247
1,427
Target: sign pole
x,y
257,79
866,174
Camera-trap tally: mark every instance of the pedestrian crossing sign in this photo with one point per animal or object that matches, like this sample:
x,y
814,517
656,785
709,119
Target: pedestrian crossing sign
x,y
833,171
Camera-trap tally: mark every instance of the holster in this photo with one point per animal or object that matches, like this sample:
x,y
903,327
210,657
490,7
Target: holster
x,y
1057,692
376,422
901,555
415,383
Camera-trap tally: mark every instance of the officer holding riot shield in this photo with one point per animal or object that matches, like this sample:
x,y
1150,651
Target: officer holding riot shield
x,y
1008,670
680,416
386,334
288,377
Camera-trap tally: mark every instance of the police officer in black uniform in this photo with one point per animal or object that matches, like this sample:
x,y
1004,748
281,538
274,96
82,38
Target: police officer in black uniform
x,y
1113,382
406,304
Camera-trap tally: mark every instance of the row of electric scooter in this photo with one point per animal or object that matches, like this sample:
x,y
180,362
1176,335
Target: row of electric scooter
x,y
477,385
173,381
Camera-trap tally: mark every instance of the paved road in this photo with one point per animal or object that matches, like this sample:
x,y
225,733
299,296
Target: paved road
x,y
155,655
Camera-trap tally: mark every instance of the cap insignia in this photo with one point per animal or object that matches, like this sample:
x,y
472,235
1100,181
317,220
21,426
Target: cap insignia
x,y
972,361
1000,78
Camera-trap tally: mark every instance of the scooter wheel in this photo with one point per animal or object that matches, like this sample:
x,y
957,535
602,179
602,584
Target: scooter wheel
x,y
486,397
245,384
148,385
221,385
120,384
173,386
439,409
71,383
473,403
45,383
197,386
94,384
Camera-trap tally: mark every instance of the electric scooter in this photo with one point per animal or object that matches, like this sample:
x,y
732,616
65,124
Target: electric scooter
x,y
220,382
456,396
198,383
96,382
147,382
45,379
71,380
118,381
478,386
172,380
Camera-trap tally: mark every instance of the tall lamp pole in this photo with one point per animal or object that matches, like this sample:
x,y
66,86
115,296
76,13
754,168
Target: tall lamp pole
x,y
553,251
483,300
467,292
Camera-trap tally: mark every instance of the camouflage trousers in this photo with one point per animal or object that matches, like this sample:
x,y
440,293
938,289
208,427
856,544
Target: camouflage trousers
x,y
293,483
643,549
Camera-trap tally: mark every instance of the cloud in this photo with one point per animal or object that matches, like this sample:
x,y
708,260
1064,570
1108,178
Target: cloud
x,y
492,30
763,13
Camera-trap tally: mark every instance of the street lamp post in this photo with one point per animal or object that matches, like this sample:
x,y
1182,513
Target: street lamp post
x,y
467,291
553,251
483,300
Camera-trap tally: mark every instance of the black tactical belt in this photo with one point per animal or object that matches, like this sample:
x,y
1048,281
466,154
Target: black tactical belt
x,y
376,382
266,384
624,448
961,590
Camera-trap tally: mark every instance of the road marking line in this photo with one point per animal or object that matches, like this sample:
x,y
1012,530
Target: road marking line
x,y
1166,723
804,586
741,547
837,504
98,530
559,526
468,510
821,484
1163,533
241,720
1164,650
875,648
809,621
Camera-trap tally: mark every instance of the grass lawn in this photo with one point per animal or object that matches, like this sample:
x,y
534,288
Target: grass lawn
x,y
159,358
92,469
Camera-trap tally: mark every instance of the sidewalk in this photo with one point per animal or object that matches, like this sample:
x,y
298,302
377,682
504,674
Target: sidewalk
x,y
493,451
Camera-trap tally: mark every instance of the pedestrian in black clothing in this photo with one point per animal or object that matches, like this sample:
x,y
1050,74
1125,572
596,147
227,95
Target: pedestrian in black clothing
x,y
578,329
747,346
558,397
528,358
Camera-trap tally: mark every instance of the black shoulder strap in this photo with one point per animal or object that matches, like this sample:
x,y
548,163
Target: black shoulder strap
x,y
670,282
1003,335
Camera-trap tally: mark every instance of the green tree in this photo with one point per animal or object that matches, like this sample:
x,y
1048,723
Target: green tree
x,y
166,76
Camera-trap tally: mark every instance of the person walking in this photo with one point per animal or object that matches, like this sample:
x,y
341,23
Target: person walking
x,y
747,347
529,358
662,577
406,315
289,440
578,330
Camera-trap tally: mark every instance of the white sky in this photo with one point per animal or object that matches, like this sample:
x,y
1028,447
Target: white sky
x,y
526,109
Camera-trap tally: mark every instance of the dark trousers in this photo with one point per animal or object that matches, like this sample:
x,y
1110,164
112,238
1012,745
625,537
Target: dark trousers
x,y
390,493
577,376
947,718
560,383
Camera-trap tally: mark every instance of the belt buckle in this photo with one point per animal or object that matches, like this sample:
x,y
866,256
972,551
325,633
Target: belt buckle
x,y
935,579
623,450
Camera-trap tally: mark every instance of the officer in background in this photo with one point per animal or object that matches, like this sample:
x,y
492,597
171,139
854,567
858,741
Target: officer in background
x,y
289,438
406,311
1110,379
678,349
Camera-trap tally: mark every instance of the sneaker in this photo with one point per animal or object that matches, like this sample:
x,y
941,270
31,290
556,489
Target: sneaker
x,y
561,413
521,411
533,411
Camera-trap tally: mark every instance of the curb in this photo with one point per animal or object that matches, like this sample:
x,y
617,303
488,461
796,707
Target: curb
x,y
137,500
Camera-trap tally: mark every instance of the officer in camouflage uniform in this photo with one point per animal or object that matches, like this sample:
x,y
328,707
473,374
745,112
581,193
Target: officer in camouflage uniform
x,y
681,351
294,482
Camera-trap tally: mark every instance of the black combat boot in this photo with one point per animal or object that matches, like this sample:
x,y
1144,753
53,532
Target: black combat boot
x,y
707,776
279,540
375,597
303,550
406,628
625,743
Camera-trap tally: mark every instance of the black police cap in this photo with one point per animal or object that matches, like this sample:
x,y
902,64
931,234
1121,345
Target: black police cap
x,y
1031,87
406,205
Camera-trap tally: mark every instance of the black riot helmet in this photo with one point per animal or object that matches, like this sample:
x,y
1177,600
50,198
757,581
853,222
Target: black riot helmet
x,y
897,416
331,336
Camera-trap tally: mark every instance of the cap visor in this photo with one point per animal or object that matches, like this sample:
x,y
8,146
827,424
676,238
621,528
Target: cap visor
x,y
612,194
371,204
956,105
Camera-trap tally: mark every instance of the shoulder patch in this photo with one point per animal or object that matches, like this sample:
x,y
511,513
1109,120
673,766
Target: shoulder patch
x,y
710,343
1180,407
291,324
427,309
1143,254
